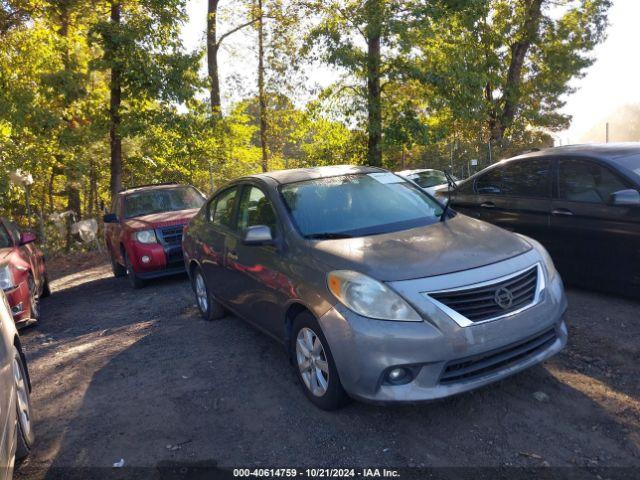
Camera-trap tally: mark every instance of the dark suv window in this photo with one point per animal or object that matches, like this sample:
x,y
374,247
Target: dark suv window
x,y
585,181
221,208
490,183
527,178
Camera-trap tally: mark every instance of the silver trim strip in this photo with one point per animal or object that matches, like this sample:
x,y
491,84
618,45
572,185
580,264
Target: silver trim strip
x,y
464,321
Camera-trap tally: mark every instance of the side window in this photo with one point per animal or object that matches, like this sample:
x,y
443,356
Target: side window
x,y
527,178
464,188
587,182
490,183
5,238
14,231
255,209
221,208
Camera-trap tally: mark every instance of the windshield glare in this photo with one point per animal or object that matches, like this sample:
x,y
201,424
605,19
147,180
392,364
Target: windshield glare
x,y
356,205
161,200
429,179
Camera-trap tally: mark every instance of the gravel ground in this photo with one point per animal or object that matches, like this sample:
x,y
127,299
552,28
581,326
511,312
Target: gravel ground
x,y
137,375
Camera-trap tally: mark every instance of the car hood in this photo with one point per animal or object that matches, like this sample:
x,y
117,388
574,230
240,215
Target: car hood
x,y
460,243
161,219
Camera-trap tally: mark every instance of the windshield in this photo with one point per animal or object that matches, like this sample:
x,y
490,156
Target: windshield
x,y
161,200
429,179
356,205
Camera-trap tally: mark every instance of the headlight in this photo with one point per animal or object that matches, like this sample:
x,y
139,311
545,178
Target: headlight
x,y
548,262
546,258
369,297
6,278
146,236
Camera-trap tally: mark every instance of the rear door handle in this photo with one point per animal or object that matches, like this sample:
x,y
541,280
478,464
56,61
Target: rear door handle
x,y
562,211
488,205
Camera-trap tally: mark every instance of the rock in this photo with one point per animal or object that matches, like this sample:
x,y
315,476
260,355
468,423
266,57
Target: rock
x,y
541,396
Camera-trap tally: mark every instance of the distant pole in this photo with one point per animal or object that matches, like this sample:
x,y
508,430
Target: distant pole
x,y
607,134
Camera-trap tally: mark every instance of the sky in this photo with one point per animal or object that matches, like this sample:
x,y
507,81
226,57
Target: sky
x,y
611,82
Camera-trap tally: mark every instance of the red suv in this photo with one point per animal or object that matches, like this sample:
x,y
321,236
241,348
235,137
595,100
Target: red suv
x,y
23,275
144,231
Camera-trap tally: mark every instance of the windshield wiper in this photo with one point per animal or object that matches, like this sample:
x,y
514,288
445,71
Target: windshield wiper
x,y
328,235
450,183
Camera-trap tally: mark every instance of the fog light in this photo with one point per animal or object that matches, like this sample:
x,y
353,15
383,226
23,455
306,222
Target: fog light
x,y
398,376
145,259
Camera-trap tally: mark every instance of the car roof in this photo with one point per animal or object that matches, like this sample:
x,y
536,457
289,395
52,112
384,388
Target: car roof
x,y
152,186
302,174
603,151
418,170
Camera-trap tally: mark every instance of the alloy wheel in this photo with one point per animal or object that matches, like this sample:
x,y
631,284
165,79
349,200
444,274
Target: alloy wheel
x,y
201,293
312,361
22,394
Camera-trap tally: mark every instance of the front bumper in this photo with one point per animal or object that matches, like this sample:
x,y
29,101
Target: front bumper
x,y
163,258
19,302
437,349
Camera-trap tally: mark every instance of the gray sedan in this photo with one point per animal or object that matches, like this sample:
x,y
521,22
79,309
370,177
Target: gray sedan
x,y
377,291
16,432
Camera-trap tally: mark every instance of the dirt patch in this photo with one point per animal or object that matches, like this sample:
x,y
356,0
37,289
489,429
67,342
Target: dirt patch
x,y
137,375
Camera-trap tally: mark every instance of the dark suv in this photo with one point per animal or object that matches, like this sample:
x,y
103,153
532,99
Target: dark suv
x,y
144,231
581,202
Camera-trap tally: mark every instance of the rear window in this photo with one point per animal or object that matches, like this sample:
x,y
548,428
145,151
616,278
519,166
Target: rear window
x,y
429,179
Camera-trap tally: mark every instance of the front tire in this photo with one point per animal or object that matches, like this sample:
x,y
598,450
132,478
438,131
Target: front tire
x,y
26,435
135,281
314,364
34,300
210,308
117,269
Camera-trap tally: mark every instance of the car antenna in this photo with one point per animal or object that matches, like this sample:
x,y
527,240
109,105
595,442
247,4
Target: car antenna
x,y
450,182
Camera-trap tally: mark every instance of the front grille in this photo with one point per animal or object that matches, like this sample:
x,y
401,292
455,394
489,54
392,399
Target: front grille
x,y
494,300
171,235
175,258
474,367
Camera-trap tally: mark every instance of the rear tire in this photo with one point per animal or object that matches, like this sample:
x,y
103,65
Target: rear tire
x,y
46,289
135,281
314,364
26,435
209,307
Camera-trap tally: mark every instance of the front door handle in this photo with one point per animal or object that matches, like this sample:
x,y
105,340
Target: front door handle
x,y
562,212
488,205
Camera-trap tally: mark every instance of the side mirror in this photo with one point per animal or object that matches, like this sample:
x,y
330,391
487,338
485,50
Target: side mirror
x,y
27,237
258,235
629,198
110,218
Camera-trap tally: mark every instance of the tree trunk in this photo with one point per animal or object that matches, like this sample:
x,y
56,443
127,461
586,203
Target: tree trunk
x,y
114,111
212,57
374,102
261,90
519,49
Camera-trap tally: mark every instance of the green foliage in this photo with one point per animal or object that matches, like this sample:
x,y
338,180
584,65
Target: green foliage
x,y
444,74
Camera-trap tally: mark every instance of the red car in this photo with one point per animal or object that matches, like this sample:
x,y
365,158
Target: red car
x,y
144,231
23,275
